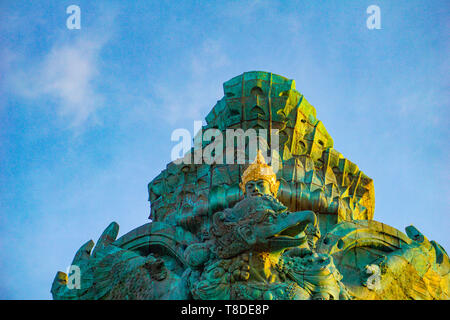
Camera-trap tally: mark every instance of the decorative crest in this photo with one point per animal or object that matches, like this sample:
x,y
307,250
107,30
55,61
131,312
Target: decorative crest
x,y
259,169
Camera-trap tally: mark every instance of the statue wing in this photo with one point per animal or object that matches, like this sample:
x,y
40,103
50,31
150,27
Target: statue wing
x,y
380,262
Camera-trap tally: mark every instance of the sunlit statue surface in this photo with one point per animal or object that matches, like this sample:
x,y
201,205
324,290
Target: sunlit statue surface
x,y
259,250
244,231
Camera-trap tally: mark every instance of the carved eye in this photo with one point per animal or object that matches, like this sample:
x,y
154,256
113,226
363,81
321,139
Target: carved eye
x,y
246,231
269,219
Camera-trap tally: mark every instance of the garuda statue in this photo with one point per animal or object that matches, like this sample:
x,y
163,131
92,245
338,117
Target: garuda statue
x,y
246,231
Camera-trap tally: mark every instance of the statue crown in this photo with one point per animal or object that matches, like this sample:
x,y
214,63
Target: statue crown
x,y
258,170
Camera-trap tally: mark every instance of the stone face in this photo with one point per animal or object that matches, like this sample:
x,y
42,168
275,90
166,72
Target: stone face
x,y
315,240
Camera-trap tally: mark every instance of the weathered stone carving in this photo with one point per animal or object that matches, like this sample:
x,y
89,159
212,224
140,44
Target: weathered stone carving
x,y
248,261
240,231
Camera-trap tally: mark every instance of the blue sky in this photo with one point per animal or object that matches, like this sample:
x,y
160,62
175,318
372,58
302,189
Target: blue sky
x,y
86,115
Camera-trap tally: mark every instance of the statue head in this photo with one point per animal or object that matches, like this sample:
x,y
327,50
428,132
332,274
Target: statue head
x,y
259,179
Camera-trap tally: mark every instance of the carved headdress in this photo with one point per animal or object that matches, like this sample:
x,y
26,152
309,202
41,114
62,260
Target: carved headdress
x,y
259,169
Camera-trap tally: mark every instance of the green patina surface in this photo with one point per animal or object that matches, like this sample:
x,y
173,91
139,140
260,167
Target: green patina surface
x,y
315,238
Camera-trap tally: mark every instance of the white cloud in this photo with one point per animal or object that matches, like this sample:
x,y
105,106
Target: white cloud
x,y
425,106
200,89
246,9
66,75
210,56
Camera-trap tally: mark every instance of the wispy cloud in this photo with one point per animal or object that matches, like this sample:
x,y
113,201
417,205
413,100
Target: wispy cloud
x,y
66,75
63,71
246,9
200,88
426,106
